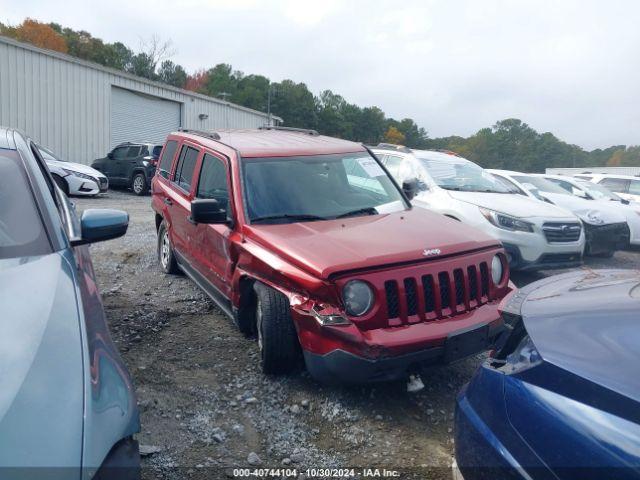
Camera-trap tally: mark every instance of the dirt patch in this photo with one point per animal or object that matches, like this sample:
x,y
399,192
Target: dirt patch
x,y
205,404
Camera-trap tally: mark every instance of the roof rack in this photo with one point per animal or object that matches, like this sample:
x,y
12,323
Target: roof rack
x,y
201,133
444,150
308,131
393,146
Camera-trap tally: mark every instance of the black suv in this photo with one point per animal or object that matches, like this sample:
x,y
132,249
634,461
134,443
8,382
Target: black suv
x,y
130,165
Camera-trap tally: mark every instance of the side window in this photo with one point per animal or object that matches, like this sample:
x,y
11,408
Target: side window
x,y
394,165
133,152
562,184
213,181
618,185
167,158
634,187
119,153
185,167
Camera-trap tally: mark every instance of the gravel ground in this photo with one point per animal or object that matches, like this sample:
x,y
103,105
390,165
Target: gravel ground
x,y
206,408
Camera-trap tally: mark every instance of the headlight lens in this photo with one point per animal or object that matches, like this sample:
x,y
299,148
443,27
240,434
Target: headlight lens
x,y
358,297
496,270
593,217
523,357
506,222
80,175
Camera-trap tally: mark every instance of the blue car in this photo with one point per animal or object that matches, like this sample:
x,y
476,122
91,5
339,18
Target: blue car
x,y
67,404
560,398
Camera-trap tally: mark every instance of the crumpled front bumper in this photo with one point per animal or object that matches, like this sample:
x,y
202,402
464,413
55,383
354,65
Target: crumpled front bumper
x,y
340,366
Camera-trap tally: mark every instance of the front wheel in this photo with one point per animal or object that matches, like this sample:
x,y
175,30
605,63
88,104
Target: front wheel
x,y
277,336
139,184
166,258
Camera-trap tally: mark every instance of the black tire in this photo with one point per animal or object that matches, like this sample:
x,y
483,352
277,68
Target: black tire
x,y
62,183
139,184
277,336
166,257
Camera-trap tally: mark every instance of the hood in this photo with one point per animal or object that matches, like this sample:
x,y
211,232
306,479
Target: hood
x,y
41,364
327,247
512,204
587,323
585,209
75,167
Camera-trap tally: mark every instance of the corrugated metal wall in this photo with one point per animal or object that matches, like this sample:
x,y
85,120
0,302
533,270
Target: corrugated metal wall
x,y
64,103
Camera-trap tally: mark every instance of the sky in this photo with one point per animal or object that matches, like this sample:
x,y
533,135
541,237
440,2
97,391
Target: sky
x,y
570,67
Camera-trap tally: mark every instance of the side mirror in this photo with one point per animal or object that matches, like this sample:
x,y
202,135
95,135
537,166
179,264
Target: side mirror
x,y
97,225
579,193
110,155
152,159
410,187
207,211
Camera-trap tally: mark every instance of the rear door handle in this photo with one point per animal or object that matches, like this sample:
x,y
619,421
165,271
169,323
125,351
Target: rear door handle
x,y
167,201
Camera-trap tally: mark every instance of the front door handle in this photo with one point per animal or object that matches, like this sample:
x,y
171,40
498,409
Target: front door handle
x,y
167,201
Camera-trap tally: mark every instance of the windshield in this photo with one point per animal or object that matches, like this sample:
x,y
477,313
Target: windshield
x,y
462,175
21,230
598,192
542,184
319,187
48,154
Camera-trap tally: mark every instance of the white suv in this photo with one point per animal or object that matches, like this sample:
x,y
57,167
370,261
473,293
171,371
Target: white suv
x,y
606,227
535,235
627,186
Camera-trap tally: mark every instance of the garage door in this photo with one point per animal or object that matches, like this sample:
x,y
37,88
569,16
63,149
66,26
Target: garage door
x,y
136,117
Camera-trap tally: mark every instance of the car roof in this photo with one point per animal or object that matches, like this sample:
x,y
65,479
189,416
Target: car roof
x,y
614,175
505,172
273,143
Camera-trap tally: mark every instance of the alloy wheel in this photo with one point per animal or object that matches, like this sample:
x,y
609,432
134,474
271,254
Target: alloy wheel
x,y
165,250
138,184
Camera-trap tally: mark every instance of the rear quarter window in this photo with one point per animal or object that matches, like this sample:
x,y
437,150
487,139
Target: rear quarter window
x,y
22,232
186,165
166,160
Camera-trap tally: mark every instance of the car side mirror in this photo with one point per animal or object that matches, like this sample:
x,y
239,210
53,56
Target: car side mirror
x,y
579,193
110,155
410,187
207,211
100,224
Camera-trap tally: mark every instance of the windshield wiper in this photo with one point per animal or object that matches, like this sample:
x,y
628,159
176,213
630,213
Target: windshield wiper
x,y
287,216
359,211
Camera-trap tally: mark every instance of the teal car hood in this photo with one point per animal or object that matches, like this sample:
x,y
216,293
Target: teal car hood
x,y
41,365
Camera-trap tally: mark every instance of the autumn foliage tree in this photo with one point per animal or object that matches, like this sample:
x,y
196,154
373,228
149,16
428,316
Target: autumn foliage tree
x,y
197,81
38,34
395,136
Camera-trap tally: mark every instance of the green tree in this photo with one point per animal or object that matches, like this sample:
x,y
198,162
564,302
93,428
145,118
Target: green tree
x,y
172,74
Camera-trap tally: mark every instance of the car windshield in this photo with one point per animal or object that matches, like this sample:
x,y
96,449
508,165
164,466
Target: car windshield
x,y
48,154
541,184
598,192
462,175
318,187
21,230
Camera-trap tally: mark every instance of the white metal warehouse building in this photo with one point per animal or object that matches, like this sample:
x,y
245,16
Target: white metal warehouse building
x,y
81,110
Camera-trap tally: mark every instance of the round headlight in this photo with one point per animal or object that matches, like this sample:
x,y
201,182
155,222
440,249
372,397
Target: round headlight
x,y
496,270
358,298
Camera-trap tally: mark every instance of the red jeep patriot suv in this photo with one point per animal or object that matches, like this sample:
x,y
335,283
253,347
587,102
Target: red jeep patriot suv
x,y
308,243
